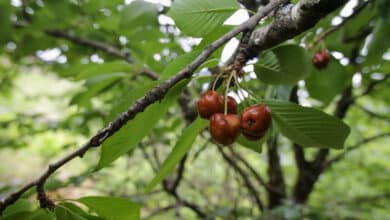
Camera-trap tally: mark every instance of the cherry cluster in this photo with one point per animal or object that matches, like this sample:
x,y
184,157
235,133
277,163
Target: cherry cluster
x,y
253,122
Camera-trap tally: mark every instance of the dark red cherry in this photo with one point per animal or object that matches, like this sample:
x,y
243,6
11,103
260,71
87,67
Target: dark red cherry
x,y
321,59
212,102
209,103
232,105
255,121
224,128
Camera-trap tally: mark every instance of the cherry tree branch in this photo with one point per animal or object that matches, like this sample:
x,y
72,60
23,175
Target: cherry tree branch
x,y
156,94
91,43
107,48
290,21
94,44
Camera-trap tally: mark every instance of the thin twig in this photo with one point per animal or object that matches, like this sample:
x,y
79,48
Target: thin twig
x,y
371,113
372,85
254,172
161,210
245,178
354,147
172,190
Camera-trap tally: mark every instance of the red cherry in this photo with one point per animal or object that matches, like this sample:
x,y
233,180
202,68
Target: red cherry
x,y
255,121
321,59
224,128
212,102
231,105
209,103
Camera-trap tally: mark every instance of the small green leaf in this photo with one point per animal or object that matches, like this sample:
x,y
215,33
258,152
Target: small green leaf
x,y
89,70
138,14
86,71
326,83
64,213
182,146
5,22
384,10
179,63
22,205
93,86
112,208
39,214
308,127
128,98
135,130
257,145
55,15
286,64
78,211
198,18
379,43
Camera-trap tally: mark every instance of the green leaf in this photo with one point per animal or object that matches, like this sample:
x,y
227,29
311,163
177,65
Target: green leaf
x,y
308,127
112,208
86,71
379,43
138,14
257,145
39,214
384,10
78,211
93,86
22,205
128,98
5,22
135,130
182,146
286,64
55,15
64,213
179,63
326,83
200,17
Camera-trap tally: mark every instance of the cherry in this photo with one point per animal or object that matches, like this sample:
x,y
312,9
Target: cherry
x,y
255,121
321,59
231,105
212,102
224,128
209,103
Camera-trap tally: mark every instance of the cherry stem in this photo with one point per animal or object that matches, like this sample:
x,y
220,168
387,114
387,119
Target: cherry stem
x,y
216,79
240,92
203,77
227,90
